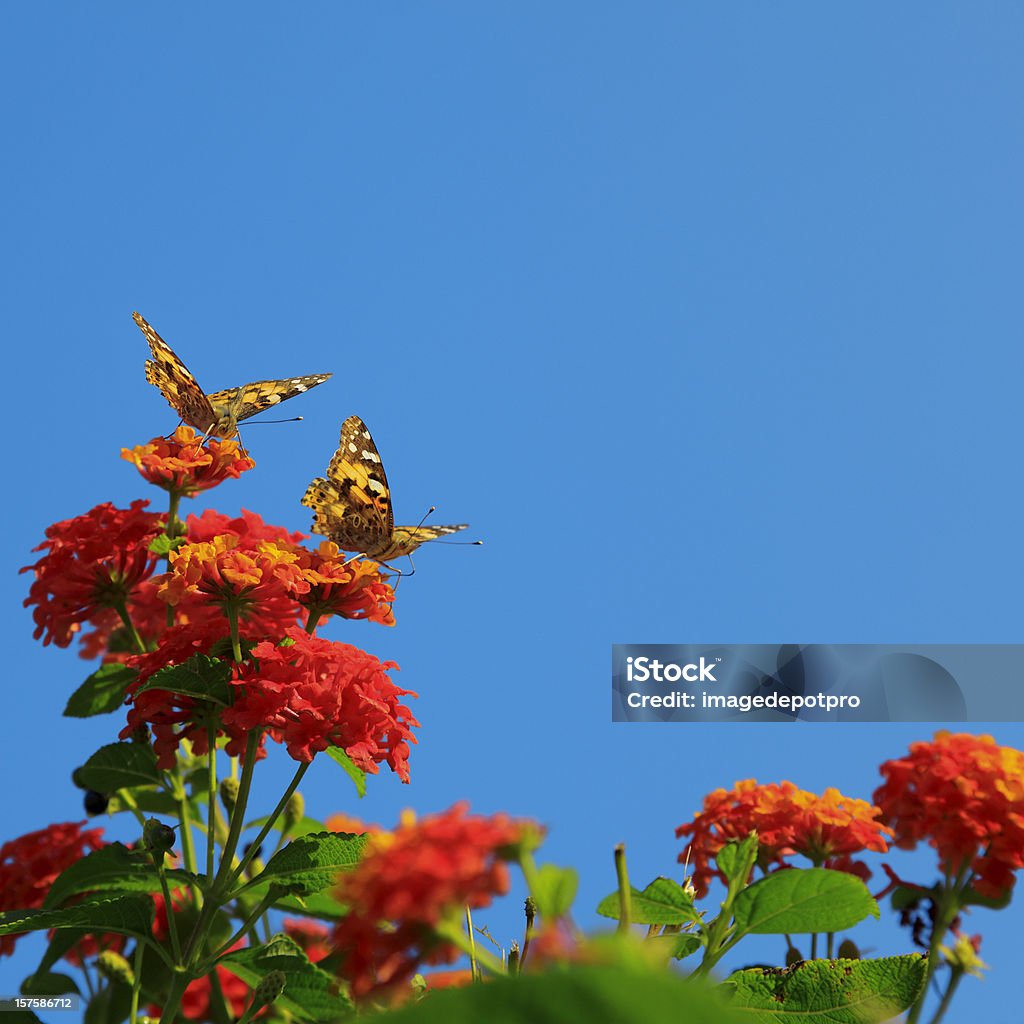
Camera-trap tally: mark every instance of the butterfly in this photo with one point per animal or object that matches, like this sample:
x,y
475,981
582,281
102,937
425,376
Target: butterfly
x,y
217,414
352,506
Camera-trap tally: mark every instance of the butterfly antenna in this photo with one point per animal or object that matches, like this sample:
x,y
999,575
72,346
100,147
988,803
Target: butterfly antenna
x,y
256,423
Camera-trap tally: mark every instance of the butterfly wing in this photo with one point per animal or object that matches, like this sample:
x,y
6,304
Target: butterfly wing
x,y
353,505
254,398
170,375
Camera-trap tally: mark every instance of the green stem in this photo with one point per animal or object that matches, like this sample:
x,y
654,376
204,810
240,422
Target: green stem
x,y
311,622
269,824
474,970
172,924
231,610
625,894
136,983
122,610
947,996
188,850
453,933
211,789
179,982
249,922
221,884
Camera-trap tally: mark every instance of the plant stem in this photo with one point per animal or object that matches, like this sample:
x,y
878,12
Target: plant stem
x,y
947,996
136,983
122,610
474,970
625,894
211,788
269,824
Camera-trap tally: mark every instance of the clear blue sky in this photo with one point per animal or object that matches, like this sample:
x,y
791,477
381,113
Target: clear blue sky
x,y
706,317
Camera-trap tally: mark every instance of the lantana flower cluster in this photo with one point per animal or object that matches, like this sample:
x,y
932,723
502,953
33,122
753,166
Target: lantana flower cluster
x,y
235,588
410,882
964,796
827,829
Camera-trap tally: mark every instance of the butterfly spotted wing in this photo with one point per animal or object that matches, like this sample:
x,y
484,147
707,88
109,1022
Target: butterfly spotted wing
x,y
217,414
352,506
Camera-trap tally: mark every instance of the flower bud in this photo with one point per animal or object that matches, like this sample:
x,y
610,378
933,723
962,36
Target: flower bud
x,y
294,811
268,990
229,794
157,836
114,966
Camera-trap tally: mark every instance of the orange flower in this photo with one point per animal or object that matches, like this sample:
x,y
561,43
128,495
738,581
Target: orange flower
x,y
964,794
353,589
182,465
409,882
342,822
825,829
225,572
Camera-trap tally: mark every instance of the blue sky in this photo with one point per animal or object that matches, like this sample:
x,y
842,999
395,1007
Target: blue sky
x,y
704,316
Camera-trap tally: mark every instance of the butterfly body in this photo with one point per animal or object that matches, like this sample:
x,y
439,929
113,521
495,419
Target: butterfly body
x,y
352,504
219,413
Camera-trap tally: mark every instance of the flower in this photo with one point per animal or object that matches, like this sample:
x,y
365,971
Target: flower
x,y
30,863
350,588
249,528
228,573
183,466
341,822
92,562
964,794
409,882
826,829
312,693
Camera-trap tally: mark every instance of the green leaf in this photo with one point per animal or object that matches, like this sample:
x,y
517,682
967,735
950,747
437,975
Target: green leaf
x,y
118,766
46,984
554,889
736,860
111,1003
113,868
795,901
662,902
685,945
101,693
126,915
201,677
152,801
320,904
309,992
163,545
357,775
595,995
829,991
312,863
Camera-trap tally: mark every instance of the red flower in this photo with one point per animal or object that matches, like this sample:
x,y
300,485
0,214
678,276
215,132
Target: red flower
x,y
92,562
249,528
410,881
181,465
826,829
30,863
313,693
352,589
964,794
